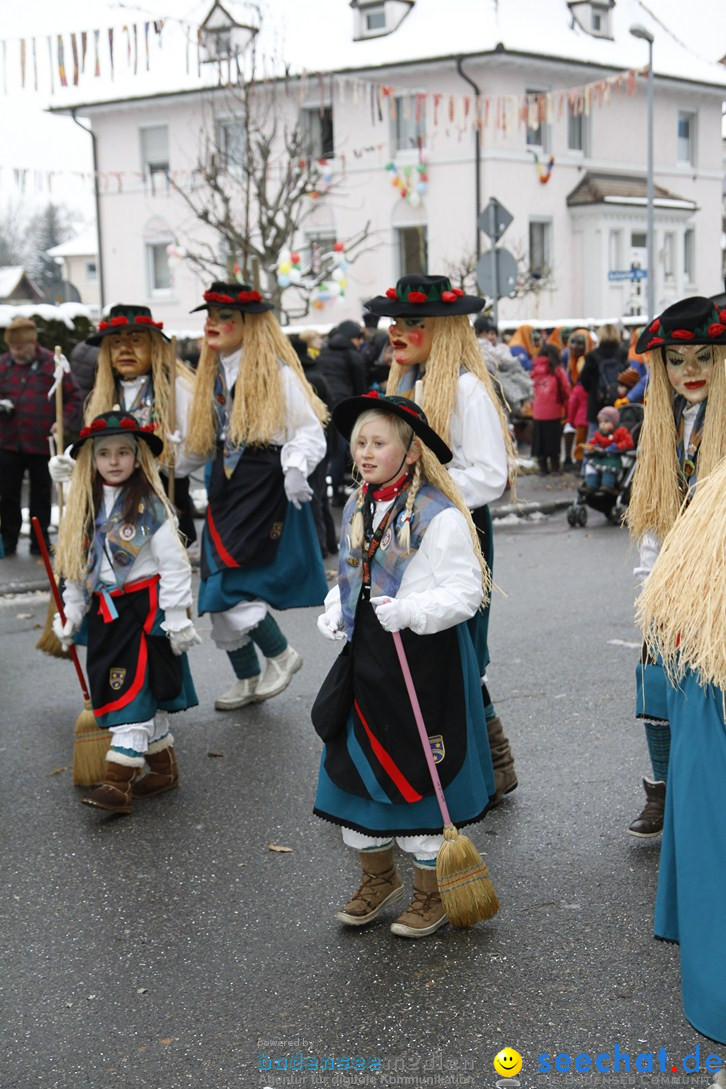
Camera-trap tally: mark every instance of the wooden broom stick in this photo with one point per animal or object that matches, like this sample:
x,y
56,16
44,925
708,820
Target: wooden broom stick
x,y
59,369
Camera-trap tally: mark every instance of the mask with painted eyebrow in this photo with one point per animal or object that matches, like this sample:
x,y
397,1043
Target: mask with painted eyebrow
x,y
676,357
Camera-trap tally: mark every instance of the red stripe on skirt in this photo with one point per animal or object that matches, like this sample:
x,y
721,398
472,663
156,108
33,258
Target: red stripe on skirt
x,y
227,560
123,701
387,763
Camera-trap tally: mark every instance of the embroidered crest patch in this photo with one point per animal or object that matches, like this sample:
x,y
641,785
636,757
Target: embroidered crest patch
x,y
276,530
127,532
437,748
386,539
116,678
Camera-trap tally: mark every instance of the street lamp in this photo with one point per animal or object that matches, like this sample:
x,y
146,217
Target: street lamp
x,y
639,31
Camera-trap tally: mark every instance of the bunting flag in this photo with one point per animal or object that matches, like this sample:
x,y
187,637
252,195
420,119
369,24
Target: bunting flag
x,y
22,62
110,48
84,47
146,44
74,50
35,66
96,57
61,63
136,49
50,65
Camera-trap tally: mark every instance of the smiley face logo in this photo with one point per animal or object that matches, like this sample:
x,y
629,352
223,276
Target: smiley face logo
x,y
508,1062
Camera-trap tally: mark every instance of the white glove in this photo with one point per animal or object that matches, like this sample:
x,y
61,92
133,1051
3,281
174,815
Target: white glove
x,y
174,437
392,613
60,468
184,639
64,632
6,407
297,489
330,624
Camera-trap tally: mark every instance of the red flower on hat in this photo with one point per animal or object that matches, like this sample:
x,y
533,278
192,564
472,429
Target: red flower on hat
x,y
84,432
216,296
144,319
98,425
249,296
683,334
417,297
655,341
448,296
372,393
716,329
119,320
654,325
391,293
102,325
457,291
129,423
722,315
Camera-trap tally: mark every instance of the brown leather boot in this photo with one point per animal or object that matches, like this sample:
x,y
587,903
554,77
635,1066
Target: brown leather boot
x,y
381,885
425,914
649,823
163,773
114,793
505,777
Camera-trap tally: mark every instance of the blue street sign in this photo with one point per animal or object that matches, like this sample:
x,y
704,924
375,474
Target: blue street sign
x,y
620,274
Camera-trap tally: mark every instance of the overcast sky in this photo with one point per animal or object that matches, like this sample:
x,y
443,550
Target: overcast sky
x,y
32,139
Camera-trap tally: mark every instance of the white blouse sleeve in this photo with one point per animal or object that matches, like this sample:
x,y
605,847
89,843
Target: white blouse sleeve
x,y
649,548
304,445
443,581
170,559
479,466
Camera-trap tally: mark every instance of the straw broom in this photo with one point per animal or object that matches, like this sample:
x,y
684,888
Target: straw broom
x,y
90,744
48,642
466,889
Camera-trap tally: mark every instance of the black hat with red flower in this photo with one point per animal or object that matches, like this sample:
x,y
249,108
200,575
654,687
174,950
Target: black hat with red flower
x,y
695,320
126,319
240,297
118,423
347,412
424,297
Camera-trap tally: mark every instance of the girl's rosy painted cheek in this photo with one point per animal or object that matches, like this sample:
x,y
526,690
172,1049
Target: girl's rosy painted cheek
x,y
415,337
227,326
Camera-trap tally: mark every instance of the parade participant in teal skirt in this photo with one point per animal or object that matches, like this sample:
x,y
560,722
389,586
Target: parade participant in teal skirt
x,y
256,416
681,438
410,561
435,344
127,572
683,613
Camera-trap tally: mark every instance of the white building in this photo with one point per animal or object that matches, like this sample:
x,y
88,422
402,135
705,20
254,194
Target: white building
x,y
396,91
79,259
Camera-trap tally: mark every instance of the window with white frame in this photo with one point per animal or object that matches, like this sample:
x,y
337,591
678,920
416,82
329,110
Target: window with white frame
x,y
600,20
689,254
538,134
408,127
231,144
669,255
686,145
317,244
90,271
615,248
155,152
158,271
412,246
316,124
577,131
540,248
373,18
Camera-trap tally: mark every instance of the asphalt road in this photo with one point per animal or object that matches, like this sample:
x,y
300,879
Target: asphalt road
x,y
174,948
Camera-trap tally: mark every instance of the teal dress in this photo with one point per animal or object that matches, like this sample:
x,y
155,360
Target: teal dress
x,y
691,902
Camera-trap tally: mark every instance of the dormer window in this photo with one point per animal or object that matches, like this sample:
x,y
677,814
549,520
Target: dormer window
x,y
222,37
593,16
374,18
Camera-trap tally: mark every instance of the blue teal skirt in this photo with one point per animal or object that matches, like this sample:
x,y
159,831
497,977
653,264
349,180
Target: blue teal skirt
x,y
691,902
651,696
467,796
295,579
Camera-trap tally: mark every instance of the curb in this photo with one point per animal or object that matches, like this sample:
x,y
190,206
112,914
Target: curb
x,y
523,509
8,588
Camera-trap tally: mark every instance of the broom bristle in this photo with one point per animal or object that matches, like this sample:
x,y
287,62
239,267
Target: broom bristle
x,y
90,745
466,888
49,642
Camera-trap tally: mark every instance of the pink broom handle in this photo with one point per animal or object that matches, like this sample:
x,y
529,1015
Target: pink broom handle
x,y
416,708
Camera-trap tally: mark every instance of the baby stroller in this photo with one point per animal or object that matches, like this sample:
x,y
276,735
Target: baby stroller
x,y
612,504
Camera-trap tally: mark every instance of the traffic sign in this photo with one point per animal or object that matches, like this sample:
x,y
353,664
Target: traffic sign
x,y
618,275
505,280
494,220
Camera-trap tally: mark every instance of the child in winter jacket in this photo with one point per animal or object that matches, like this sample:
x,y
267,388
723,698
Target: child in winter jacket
x,y
604,449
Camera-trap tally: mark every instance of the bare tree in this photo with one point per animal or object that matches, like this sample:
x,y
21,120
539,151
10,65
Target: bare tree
x,y
259,176
462,273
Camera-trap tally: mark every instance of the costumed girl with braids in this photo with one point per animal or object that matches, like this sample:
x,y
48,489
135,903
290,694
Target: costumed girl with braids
x,y
410,561
133,375
682,610
126,570
433,341
257,416
683,437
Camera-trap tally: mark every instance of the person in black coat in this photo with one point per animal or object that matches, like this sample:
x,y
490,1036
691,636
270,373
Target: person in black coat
x,y
318,479
342,365
596,376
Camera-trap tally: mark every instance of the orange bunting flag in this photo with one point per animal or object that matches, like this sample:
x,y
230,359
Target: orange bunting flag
x,y
61,63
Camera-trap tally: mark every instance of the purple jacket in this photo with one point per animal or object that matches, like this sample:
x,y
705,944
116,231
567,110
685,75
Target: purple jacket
x,y
26,430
